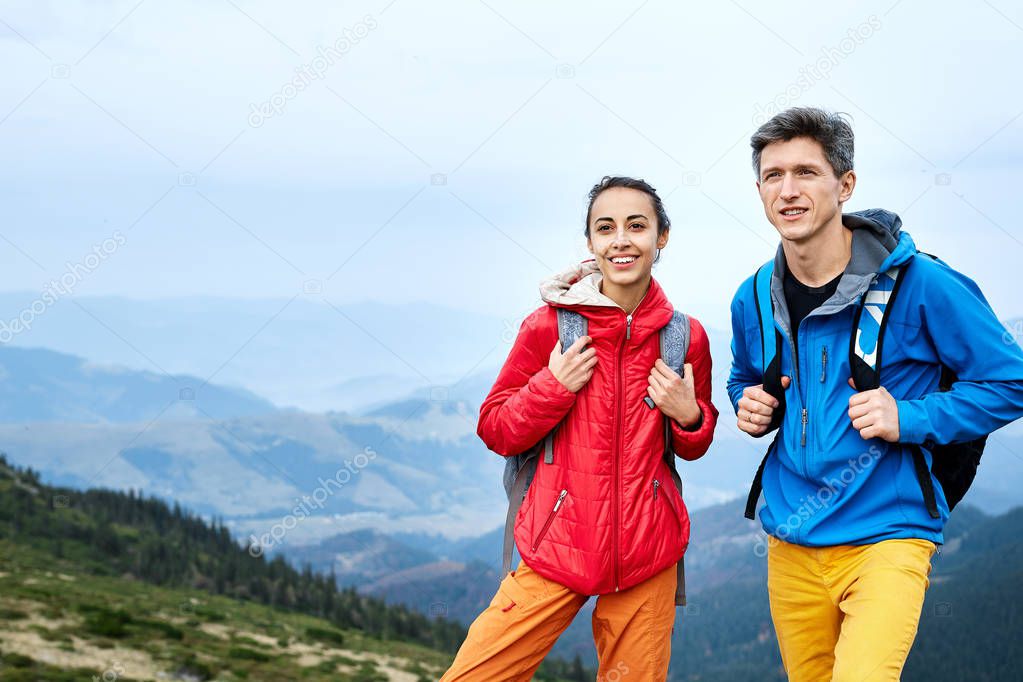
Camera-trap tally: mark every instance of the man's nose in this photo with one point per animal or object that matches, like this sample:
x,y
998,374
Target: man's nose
x,y
789,187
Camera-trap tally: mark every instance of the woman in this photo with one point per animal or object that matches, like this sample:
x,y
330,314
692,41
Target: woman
x,y
596,521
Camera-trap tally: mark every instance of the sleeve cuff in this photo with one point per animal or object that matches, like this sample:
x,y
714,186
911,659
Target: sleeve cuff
x,y
912,421
695,426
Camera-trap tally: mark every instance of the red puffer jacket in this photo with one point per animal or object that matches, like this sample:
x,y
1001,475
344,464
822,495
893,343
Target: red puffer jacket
x,y
605,515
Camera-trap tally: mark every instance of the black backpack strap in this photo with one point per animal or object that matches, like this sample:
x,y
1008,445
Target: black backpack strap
x,y
770,353
923,475
771,341
758,482
865,364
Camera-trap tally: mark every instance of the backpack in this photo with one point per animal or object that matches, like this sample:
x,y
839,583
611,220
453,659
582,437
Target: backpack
x,y
520,469
954,465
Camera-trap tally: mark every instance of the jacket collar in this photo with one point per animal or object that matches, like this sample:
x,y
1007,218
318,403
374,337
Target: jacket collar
x,y
579,287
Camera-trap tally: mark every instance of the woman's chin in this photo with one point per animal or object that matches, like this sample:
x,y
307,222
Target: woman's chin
x,y
624,278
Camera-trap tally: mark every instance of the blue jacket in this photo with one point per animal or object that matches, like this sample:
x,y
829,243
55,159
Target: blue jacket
x,y
838,488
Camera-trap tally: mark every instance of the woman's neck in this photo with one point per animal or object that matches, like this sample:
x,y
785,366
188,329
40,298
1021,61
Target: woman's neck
x,y
627,297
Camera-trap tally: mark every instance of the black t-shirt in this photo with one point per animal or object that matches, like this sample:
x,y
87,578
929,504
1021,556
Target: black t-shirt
x,y
802,300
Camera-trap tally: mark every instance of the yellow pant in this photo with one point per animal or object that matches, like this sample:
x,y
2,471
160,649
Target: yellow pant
x,y
508,641
847,613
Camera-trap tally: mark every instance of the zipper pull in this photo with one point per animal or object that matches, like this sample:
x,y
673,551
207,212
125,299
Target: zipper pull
x,y
561,497
824,362
806,418
657,484
628,327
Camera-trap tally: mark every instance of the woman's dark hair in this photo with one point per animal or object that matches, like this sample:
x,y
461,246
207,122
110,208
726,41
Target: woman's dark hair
x,y
611,181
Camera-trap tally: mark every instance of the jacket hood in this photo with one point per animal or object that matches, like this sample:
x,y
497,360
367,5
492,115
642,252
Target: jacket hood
x,y
577,285
878,243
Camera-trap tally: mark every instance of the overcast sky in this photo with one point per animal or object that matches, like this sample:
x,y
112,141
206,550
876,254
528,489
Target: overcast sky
x,y
442,151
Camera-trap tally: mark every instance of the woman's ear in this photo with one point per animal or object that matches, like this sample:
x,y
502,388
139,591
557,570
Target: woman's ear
x,y
589,245
662,239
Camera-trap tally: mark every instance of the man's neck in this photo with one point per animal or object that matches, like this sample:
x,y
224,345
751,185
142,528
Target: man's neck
x,y
627,297
823,257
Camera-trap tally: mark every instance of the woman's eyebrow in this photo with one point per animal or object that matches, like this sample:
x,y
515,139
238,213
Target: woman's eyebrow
x,y
631,217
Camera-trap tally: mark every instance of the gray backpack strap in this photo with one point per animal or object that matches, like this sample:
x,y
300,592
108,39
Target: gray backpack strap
x,y
516,488
674,346
571,325
519,469
675,338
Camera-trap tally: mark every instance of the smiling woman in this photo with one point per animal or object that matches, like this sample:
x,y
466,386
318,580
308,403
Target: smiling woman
x,y
603,514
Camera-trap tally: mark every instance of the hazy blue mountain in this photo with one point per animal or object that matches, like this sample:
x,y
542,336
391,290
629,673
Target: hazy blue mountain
x,y
307,352
38,385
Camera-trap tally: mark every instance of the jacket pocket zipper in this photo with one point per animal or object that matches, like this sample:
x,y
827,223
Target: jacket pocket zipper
x,y
550,519
667,500
824,362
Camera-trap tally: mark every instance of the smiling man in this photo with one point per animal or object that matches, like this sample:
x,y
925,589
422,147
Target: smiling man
x,y
871,451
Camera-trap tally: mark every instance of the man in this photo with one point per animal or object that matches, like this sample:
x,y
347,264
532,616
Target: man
x,y
853,509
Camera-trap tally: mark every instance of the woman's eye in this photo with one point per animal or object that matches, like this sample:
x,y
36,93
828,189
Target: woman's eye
x,y
637,226
603,228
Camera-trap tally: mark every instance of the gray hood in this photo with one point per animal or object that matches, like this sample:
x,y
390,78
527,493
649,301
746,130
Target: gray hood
x,y
877,236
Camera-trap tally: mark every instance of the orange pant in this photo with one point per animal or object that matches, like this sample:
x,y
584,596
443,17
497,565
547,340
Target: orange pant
x,y
508,641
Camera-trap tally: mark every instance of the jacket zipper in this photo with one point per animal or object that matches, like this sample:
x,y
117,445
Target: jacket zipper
x,y
657,484
615,463
824,362
550,519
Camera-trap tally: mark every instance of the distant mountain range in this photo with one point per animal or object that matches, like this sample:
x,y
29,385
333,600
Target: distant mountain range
x,y
38,385
308,352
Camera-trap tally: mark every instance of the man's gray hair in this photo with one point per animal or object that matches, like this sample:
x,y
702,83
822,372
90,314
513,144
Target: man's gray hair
x,y
831,130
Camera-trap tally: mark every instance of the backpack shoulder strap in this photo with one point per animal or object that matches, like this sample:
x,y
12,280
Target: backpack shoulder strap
x,y
571,325
674,340
865,354
770,364
867,339
765,313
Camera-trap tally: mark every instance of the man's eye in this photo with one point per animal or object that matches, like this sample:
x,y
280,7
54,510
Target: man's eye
x,y
771,175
